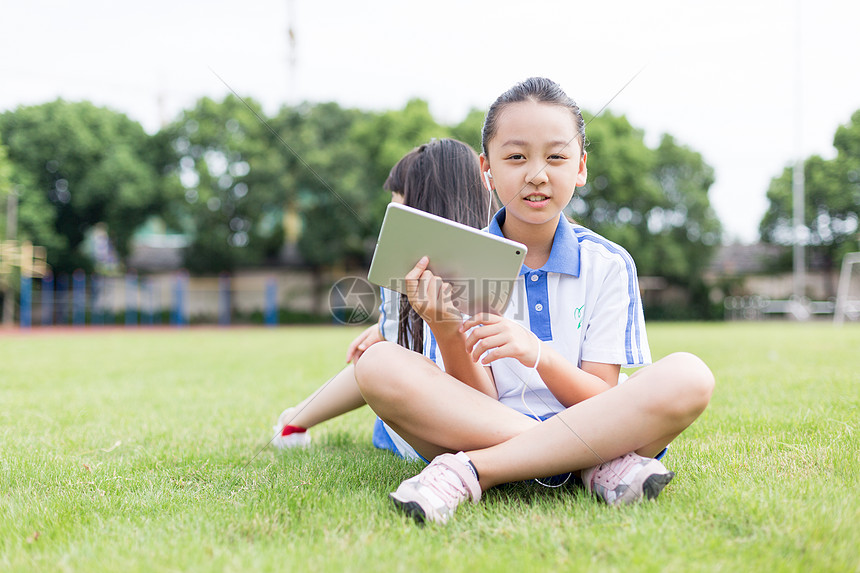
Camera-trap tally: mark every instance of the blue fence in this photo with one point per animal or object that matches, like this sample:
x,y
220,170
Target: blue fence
x,y
80,300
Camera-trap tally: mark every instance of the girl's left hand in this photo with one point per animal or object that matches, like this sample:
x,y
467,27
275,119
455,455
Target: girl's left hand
x,y
501,337
362,342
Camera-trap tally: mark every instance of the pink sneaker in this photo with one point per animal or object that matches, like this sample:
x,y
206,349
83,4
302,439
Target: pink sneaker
x,y
435,493
627,479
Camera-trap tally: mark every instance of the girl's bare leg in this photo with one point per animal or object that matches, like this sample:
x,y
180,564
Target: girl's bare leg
x,y
644,414
337,396
431,410
436,413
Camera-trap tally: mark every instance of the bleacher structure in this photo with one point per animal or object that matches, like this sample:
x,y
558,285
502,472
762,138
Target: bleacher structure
x,y
27,261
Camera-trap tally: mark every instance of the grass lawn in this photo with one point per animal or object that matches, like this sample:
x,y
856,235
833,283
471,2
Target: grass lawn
x,y
141,451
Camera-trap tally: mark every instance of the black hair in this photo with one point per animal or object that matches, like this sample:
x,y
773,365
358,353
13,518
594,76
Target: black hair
x,y
396,181
540,90
443,177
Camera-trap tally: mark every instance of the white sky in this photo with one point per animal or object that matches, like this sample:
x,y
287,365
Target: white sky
x,y
729,78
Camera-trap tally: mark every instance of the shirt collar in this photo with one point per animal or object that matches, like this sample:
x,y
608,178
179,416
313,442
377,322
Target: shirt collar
x,y
564,256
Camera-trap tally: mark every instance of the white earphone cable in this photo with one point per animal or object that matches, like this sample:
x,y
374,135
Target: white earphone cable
x,y
523,400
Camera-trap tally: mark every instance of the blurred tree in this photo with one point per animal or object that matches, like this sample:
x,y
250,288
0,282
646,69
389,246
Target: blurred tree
x,y
845,210
847,138
653,202
240,184
7,291
232,184
5,187
339,159
620,191
469,130
311,176
335,190
684,222
388,136
76,165
832,202
360,150
685,229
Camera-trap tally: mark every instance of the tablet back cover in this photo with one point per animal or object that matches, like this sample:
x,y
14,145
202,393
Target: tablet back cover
x,y
480,267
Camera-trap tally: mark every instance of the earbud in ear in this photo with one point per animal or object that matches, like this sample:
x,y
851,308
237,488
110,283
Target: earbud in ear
x,y
487,176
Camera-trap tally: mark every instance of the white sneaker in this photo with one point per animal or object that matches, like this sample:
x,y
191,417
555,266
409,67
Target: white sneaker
x,y
627,479
435,493
293,438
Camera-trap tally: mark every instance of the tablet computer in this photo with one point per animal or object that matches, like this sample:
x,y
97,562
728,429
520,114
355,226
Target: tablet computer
x,y
480,267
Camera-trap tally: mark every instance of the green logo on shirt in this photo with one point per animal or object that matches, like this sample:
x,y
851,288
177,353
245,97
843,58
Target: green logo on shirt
x,y
577,315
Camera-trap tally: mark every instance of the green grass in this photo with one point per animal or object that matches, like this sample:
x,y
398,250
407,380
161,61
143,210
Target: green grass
x,y
137,451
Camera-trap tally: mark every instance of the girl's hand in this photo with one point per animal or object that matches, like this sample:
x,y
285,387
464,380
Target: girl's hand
x,y
501,337
362,342
430,296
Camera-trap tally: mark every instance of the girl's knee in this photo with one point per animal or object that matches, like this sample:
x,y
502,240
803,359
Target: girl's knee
x,y
385,371
370,365
694,375
680,385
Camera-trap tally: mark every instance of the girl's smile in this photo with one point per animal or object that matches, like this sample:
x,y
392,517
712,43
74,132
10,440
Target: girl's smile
x,y
537,200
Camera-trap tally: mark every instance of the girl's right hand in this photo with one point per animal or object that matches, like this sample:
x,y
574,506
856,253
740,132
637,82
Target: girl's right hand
x,y
492,337
430,296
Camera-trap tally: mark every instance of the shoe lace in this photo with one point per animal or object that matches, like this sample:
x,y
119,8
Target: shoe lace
x,y
445,482
610,473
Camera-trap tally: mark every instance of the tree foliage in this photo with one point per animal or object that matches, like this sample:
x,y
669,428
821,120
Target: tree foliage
x,y
5,186
232,184
831,201
75,165
469,130
334,183
243,175
654,202
241,185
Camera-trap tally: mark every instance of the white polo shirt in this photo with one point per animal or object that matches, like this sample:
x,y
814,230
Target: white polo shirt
x,y
584,303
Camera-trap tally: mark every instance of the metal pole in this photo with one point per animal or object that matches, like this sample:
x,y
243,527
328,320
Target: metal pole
x,y
292,90
799,252
797,178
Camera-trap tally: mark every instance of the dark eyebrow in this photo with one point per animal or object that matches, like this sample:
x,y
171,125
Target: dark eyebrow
x,y
517,142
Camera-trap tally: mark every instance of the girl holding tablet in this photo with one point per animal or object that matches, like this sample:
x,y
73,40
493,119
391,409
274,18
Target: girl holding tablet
x,y
535,392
